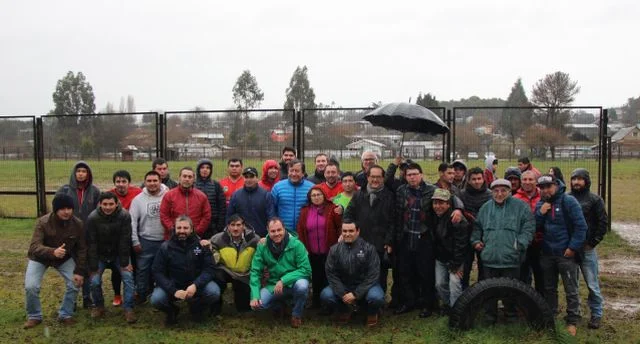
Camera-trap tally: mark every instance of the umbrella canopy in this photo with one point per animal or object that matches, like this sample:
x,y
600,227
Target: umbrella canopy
x,y
406,117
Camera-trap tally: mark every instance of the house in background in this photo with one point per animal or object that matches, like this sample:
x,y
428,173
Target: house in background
x,y
626,142
367,145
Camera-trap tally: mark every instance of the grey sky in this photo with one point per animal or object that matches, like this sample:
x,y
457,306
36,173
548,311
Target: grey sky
x,y
175,55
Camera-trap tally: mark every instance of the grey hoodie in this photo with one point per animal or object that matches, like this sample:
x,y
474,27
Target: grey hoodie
x,y
145,216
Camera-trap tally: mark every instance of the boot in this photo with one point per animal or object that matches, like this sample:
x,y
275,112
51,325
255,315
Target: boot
x,y
31,323
130,317
97,312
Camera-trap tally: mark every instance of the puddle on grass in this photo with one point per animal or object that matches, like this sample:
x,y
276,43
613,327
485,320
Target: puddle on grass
x,y
627,306
620,266
628,231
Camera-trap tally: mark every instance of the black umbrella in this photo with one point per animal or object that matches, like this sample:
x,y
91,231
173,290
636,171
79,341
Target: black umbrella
x,y
406,117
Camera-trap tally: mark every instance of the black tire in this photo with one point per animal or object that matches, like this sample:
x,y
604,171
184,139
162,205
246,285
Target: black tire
x,y
529,303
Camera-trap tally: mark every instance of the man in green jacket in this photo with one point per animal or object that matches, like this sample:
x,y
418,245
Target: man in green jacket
x,y
502,232
287,263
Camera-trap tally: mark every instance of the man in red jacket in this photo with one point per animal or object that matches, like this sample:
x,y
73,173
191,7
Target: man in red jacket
x,y
530,194
185,200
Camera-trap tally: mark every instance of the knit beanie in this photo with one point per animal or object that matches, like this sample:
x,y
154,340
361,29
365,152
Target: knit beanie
x,y
62,201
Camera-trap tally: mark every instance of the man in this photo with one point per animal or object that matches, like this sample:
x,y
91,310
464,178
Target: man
x,y
368,160
188,200
321,161
215,195
372,209
290,195
530,194
460,174
348,189
109,245
252,203
183,270
596,217
270,175
234,180
451,246
391,181
286,261
524,164
565,231
475,194
288,154
353,272
58,241
491,167
513,175
502,232
446,176
331,186
233,251
85,200
147,233
162,167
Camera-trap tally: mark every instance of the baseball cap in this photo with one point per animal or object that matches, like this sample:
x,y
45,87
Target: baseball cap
x,y
441,194
546,179
250,170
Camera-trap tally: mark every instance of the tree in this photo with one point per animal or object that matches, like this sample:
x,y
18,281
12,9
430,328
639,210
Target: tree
x,y
428,100
513,122
131,104
540,138
246,93
631,111
300,95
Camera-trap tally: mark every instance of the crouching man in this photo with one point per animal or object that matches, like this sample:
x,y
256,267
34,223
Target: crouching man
x,y
353,270
183,270
287,263
58,241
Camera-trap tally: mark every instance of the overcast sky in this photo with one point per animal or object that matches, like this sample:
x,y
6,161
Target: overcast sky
x,y
175,55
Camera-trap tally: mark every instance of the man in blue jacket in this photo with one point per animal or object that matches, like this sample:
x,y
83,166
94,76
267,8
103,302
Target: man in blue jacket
x,y
565,229
290,195
253,203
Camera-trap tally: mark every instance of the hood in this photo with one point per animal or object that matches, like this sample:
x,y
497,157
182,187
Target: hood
x,y
317,187
72,179
460,162
200,163
584,174
560,191
488,162
512,171
163,190
265,167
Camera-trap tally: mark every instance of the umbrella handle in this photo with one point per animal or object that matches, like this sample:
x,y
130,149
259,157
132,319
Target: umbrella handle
x,y
401,144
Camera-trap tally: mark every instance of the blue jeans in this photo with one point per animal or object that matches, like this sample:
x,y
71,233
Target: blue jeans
x,y
201,301
589,267
298,293
448,284
33,281
127,280
374,300
144,260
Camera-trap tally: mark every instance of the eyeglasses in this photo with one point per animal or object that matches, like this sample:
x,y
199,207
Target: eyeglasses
x,y
317,195
375,177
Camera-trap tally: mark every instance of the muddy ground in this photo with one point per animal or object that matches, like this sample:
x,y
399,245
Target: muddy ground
x,y
624,267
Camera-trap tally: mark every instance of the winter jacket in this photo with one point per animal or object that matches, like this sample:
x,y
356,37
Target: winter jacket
x,y
534,170
215,195
264,182
180,201
50,233
361,179
332,228
531,201
178,264
557,237
592,208
292,265
506,231
461,184
474,199
108,237
377,221
234,260
317,177
88,195
288,199
489,173
145,216
125,201
255,206
352,267
284,170
390,180
449,187
451,241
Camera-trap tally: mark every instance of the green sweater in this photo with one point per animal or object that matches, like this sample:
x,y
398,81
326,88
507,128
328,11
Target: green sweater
x,y
506,232
292,265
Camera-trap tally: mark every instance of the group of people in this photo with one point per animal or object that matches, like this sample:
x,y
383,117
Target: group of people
x,y
278,235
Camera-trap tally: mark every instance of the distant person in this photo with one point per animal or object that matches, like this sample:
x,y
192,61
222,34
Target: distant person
x,y
321,161
185,200
161,166
446,176
491,168
513,175
252,203
290,195
460,174
332,185
524,164
343,199
234,180
557,172
368,160
215,195
270,175
58,241
288,154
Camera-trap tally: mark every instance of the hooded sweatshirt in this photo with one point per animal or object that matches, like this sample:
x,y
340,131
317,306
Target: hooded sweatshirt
x,y
489,173
592,207
85,195
265,183
145,216
215,195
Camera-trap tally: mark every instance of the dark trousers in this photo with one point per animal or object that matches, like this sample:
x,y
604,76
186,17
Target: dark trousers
x,y
468,265
567,268
318,276
491,307
531,271
384,270
417,273
241,293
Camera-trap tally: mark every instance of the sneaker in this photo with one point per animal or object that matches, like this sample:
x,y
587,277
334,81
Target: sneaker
x,y
67,321
31,323
117,300
97,312
372,320
296,322
595,322
571,329
130,317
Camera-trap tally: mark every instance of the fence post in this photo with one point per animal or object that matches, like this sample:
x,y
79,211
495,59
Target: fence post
x,y
38,152
609,198
299,127
449,136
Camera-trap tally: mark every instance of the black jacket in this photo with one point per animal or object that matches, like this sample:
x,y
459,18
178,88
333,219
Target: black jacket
x,y
474,199
108,237
390,180
90,196
216,198
317,177
593,209
451,241
361,179
178,264
352,268
376,222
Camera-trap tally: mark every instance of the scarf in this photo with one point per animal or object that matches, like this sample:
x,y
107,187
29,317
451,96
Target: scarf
x,y
373,193
277,249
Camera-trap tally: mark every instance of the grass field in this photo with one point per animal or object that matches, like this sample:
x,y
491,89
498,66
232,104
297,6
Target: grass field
x,y
261,328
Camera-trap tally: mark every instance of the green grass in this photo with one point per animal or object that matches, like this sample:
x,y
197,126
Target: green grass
x,y
233,328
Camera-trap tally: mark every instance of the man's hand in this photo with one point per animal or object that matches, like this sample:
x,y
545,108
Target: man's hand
x,y
279,288
459,272
128,268
60,252
205,243
338,210
479,246
262,241
456,216
255,304
569,253
78,280
191,291
137,249
388,248
349,298
180,294
545,208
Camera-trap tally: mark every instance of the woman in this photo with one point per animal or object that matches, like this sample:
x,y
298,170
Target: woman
x,y
318,228
557,172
